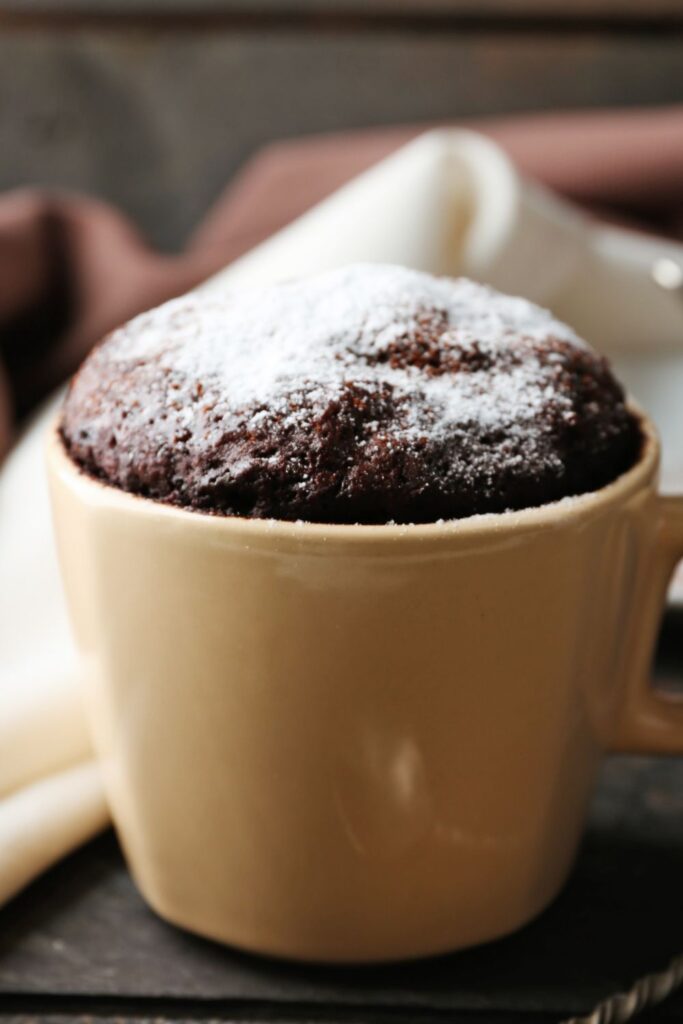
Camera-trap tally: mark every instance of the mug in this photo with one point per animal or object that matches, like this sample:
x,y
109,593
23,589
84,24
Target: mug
x,y
363,743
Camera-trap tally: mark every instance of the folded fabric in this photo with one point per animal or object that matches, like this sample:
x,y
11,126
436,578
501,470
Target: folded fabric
x,y
451,202
448,202
42,822
72,268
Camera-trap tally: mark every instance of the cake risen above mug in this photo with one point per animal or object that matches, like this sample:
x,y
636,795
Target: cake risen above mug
x,y
364,395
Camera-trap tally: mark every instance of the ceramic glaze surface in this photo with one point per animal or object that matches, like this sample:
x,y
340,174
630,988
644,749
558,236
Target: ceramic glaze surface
x,y
348,743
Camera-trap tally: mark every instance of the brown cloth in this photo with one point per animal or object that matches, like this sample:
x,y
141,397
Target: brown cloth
x,y
72,268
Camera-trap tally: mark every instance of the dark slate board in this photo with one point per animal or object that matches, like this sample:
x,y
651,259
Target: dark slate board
x,y
352,1017
83,931
81,941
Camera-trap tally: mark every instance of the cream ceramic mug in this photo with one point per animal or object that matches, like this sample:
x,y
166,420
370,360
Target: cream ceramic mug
x,y
360,743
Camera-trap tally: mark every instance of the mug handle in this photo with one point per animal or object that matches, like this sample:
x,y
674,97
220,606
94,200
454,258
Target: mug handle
x,y
650,721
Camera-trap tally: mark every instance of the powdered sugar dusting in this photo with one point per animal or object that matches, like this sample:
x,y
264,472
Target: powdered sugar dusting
x,y
311,336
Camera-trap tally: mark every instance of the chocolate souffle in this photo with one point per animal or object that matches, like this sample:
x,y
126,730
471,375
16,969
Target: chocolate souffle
x,y
364,395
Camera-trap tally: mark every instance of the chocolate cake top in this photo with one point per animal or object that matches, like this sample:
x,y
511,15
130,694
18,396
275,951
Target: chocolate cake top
x,y
367,394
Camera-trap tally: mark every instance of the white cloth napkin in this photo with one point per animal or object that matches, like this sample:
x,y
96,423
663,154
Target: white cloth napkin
x,y
449,203
51,797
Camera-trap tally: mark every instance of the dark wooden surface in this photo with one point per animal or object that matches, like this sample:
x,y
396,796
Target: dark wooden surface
x,y
454,11
619,11
153,104
81,944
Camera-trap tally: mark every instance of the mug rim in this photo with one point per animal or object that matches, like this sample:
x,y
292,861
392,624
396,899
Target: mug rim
x,y
568,510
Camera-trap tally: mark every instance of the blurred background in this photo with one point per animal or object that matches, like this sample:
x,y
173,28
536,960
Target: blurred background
x,y
153,104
